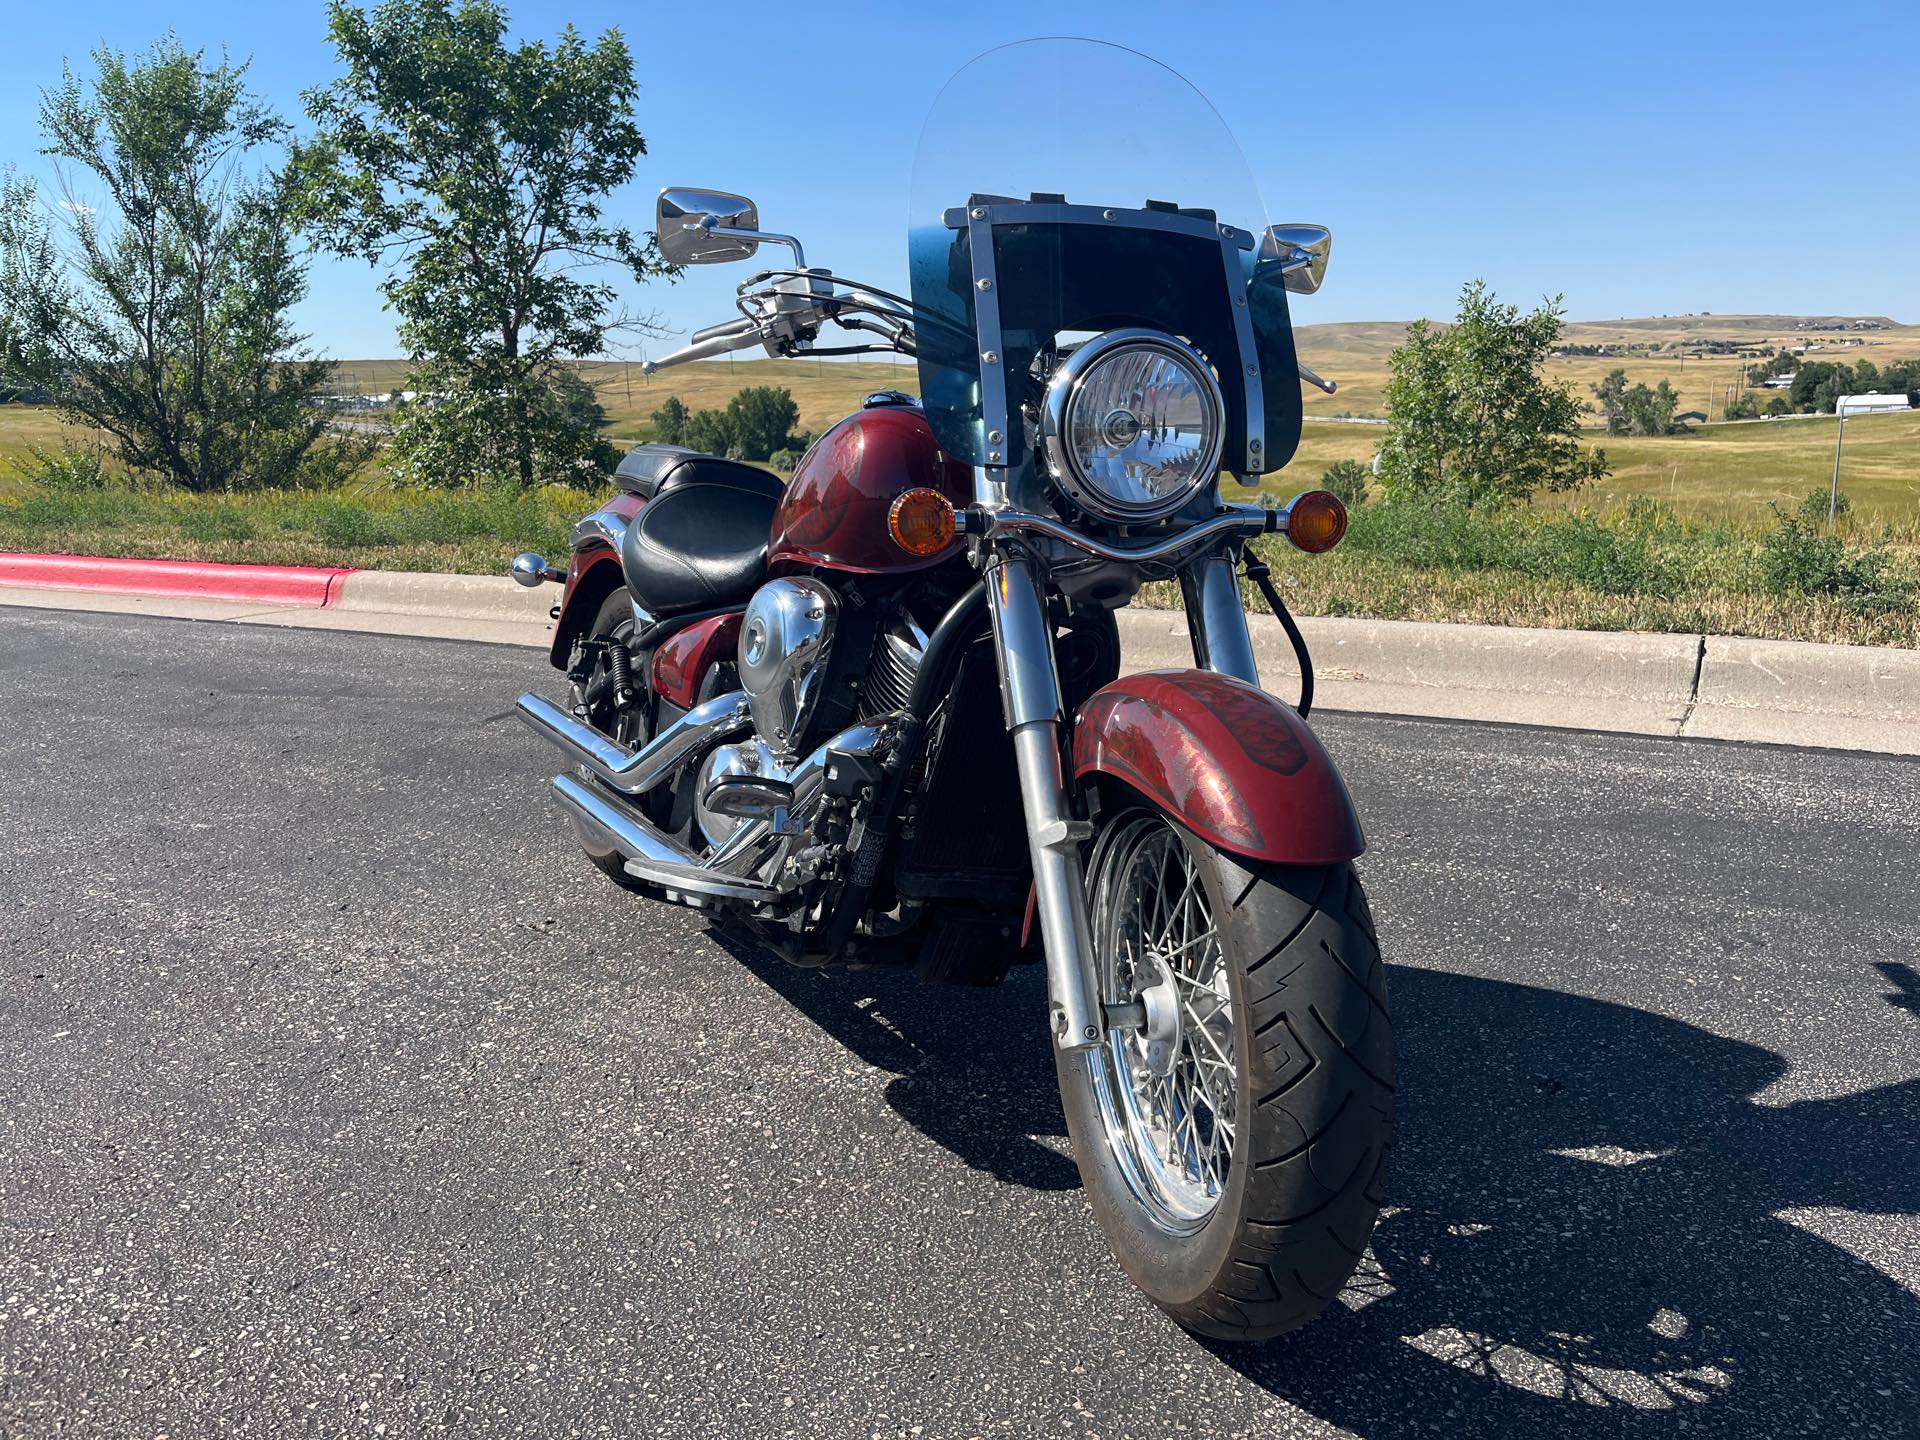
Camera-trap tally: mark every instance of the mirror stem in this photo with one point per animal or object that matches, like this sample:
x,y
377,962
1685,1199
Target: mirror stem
x,y
799,257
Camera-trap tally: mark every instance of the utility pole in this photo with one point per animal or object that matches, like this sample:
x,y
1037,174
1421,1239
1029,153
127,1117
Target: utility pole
x,y
1833,495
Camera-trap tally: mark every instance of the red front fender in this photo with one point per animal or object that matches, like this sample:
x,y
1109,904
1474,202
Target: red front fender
x,y
1235,765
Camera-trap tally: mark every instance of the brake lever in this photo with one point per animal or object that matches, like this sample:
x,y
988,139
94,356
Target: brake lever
x,y
1319,382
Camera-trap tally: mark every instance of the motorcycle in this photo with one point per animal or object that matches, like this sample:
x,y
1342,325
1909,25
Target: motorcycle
x,y
877,715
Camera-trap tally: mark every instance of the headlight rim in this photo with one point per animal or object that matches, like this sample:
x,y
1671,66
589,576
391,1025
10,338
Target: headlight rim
x,y
1065,381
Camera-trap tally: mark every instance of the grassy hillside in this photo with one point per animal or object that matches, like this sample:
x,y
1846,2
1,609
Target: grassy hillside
x,y
1722,473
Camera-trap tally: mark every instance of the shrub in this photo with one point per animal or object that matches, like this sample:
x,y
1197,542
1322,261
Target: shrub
x,y
1346,480
215,522
1581,549
1796,559
784,461
1814,506
344,525
68,470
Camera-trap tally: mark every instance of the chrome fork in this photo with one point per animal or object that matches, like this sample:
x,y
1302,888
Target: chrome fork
x,y
1216,620
1030,689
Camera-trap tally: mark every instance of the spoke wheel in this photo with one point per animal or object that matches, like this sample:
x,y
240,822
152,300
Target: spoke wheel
x,y
1233,1128
1167,1089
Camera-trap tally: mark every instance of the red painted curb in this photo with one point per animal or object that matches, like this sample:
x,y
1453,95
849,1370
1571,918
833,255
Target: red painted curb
x,y
306,585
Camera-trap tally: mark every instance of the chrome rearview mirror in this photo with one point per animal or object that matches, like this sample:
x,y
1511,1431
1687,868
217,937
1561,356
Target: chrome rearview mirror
x,y
1302,251
705,227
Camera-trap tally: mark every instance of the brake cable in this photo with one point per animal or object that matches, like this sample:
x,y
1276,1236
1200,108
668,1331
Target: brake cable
x,y
1257,571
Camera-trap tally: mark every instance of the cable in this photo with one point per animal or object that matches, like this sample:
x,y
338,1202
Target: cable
x,y
1262,577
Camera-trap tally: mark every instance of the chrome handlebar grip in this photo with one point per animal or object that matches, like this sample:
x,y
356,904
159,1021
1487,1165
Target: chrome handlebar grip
x,y
714,340
1319,382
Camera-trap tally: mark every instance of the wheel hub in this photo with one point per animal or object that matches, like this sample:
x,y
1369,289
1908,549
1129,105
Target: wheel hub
x,y
1159,1035
1167,1079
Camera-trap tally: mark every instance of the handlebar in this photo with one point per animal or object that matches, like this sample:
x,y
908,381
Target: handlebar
x,y
1232,521
714,340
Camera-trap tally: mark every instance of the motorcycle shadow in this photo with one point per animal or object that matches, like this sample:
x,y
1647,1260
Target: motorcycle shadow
x,y
973,1070
1596,1228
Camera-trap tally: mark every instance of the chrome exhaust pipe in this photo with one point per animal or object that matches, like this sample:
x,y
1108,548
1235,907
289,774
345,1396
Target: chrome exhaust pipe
x,y
632,772
650,856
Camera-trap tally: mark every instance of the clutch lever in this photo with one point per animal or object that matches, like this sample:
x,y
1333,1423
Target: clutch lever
x,y
1319,382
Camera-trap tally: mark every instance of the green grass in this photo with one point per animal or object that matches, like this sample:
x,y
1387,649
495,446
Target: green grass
x,y
379,531
1677,538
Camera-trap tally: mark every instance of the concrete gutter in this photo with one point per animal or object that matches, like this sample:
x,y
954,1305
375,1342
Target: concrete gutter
x,y
1781,692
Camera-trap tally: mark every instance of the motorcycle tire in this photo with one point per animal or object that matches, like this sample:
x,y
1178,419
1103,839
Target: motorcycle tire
x,y
1291,990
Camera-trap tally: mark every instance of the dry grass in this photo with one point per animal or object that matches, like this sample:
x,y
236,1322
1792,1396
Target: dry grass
x,y
1345,583
1725,477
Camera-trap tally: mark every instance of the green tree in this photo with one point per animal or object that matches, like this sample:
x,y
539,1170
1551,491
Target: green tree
x,y
1346,480
1472,417
456,432
670,422
476,170
1650,409
1612,395
1743,407
760,418
153,304
1778,404
709,431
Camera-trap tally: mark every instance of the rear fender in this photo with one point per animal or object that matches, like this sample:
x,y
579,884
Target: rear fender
x,y
594,574
1234,765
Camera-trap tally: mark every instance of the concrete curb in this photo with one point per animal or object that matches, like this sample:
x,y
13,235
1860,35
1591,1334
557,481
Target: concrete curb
x,y
1781,692
311,585
453,597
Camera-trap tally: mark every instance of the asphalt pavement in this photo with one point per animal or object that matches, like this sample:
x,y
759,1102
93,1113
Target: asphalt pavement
x,y
341,1097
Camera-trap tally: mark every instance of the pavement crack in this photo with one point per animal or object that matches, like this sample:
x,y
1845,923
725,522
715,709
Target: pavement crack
x,y
1693,690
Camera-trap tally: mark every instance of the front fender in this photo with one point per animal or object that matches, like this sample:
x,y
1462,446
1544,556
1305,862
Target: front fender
x,y
1236,766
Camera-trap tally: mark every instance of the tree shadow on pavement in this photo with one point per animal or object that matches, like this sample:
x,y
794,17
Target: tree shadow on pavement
x,y
1586,1236
973,1068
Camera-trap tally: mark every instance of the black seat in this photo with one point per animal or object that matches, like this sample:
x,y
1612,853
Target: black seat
x,y
649,470
701,543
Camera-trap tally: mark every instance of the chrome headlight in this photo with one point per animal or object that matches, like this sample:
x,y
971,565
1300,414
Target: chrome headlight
x,y
1133,425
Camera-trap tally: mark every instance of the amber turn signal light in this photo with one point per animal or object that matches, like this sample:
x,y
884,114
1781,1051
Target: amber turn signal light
x,y
1316,521
921,521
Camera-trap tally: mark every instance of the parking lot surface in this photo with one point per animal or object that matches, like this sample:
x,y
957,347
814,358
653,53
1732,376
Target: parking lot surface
x,y
341,1097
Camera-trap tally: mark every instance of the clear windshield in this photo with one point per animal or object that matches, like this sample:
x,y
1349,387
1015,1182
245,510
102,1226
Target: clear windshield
x,y
1136,171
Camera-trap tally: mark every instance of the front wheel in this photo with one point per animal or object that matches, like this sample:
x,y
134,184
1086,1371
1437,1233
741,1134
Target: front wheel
x,y
1234,1134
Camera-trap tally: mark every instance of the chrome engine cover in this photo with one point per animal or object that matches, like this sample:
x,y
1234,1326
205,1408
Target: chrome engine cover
x,y
784,639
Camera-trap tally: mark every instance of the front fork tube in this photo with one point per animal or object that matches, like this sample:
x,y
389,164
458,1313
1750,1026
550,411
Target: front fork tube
x,y
1030,688
1216,620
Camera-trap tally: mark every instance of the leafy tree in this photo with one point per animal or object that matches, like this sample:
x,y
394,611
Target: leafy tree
x,y
760,418
710,431
1778,404
457,432
1612,395
159,315
1743,407
784,460
1649,410
476,171
1346,480
1471,415
1781,362
670,422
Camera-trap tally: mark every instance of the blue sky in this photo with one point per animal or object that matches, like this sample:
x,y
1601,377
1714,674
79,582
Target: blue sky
x,y
1642,159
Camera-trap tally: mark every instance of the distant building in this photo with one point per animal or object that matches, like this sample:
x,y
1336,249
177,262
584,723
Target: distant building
x,y
1872,404
1777,382
1691,417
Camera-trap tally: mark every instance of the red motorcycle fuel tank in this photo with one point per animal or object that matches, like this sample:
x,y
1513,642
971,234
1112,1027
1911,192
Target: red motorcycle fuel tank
x,y
833,515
